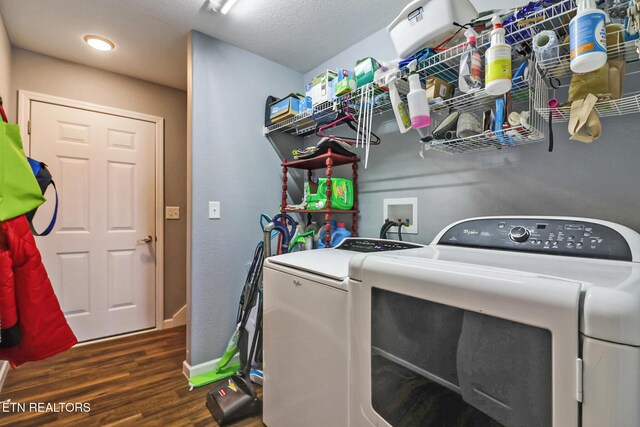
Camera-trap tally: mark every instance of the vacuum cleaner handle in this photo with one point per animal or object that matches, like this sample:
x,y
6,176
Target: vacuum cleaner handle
x,y
266,236
282,219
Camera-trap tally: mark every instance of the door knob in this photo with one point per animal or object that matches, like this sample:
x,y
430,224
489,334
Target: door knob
x,y
147,239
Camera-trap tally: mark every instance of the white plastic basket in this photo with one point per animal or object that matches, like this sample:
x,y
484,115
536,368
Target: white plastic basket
x,y
425,23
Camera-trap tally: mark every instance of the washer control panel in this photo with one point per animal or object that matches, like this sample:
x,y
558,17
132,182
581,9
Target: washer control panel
x,y
548,236
358,244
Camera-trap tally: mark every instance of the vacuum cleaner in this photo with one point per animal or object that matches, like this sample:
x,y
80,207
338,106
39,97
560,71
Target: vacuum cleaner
x,y
234,398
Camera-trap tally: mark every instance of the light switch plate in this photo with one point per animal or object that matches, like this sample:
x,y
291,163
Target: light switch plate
x,y
214,210
172,212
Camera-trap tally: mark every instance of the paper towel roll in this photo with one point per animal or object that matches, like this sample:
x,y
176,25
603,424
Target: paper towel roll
x,y
545,46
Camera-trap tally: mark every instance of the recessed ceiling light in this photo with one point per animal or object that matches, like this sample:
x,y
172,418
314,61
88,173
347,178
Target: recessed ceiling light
x,y
99,43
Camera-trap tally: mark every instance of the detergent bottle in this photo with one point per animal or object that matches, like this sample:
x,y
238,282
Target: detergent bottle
x,y
470,76
311,240
498,62
417,98
588,36
339,234
322,233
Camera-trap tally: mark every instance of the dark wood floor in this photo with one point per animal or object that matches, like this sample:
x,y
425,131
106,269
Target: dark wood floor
x,y
133,381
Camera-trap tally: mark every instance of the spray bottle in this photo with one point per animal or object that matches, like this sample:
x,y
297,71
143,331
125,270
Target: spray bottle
x,y
470,74
386,76
417,98
588,38
498,62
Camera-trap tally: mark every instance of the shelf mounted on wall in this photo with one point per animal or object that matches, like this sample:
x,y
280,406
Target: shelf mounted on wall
x,y
324,161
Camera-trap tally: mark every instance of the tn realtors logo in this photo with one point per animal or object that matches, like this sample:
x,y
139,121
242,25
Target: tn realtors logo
x,y
44,407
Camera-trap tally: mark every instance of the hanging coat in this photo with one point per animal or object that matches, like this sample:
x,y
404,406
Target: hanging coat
x,y
27,299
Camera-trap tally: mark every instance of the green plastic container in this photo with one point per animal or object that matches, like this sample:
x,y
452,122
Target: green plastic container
x,y
341,195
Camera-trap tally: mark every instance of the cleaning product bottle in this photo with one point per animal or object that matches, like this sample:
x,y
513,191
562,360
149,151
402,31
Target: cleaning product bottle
x,y
400,109
313,226
470,76
417,98
588,38
498,62
321,243
386,77
339,234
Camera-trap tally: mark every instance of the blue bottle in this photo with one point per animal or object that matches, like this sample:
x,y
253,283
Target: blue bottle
x,y
323,232
339,234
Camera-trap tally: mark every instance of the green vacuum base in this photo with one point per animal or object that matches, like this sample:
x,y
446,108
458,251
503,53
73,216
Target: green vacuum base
x,y
211,377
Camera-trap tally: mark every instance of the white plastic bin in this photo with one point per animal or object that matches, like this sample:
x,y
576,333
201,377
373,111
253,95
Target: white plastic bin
x,y
427,23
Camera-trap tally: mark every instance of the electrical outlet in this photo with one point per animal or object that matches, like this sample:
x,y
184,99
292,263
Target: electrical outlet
x,y
214,210
172,212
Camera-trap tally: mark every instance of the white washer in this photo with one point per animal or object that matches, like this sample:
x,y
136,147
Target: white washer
x,y
518,321
306,334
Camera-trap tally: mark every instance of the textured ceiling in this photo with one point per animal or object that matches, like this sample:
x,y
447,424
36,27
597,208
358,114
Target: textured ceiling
x,y
151,35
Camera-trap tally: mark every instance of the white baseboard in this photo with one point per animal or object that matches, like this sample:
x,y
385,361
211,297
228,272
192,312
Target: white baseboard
x,y
4,370
202,368
178,319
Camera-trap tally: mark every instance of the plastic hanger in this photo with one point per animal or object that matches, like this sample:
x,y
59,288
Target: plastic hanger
x,y
348,119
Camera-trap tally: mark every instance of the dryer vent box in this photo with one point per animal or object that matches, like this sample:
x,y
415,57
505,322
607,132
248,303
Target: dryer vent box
x,y
404,209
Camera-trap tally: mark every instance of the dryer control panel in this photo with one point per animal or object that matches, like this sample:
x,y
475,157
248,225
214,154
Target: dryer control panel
x,y
546,236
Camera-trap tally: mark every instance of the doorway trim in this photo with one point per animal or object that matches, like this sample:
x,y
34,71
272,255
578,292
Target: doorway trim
x,y
24,117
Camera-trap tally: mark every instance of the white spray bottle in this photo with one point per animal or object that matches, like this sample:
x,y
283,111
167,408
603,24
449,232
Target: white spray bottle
x,y
386,76
470,75
498,62
417,99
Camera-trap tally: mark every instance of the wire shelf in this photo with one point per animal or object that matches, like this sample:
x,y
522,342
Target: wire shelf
x,y
508,138
553,75
304,123
629,104
480,100
519,34
445,65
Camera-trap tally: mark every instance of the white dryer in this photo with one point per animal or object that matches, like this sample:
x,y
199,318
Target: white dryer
x,y
517,321
306,334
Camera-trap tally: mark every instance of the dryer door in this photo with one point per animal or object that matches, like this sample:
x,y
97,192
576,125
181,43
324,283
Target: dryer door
x,y
441,344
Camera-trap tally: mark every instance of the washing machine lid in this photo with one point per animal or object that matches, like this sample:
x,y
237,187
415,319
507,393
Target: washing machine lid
x,y
328,263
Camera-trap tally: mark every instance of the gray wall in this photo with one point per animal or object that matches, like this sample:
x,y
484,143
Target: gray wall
x,y
51,76
232,163
599,180
5,68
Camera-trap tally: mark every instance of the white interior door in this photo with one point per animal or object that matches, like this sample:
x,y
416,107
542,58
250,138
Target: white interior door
x,y
104,168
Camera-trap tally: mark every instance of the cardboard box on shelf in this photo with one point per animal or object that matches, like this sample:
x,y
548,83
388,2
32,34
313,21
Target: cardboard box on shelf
x,y
286,108
322,87
438,88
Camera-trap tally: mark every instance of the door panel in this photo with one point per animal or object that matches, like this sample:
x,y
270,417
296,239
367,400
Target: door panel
x,y
104,167
547,303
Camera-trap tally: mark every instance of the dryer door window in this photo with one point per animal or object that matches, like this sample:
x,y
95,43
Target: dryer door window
x,y
452,344
438,365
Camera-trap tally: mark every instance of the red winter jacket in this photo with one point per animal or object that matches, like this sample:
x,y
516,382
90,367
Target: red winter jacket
x,y
27,300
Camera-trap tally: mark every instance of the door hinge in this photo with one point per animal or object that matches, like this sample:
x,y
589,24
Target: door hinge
x,y
29,127
579,379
